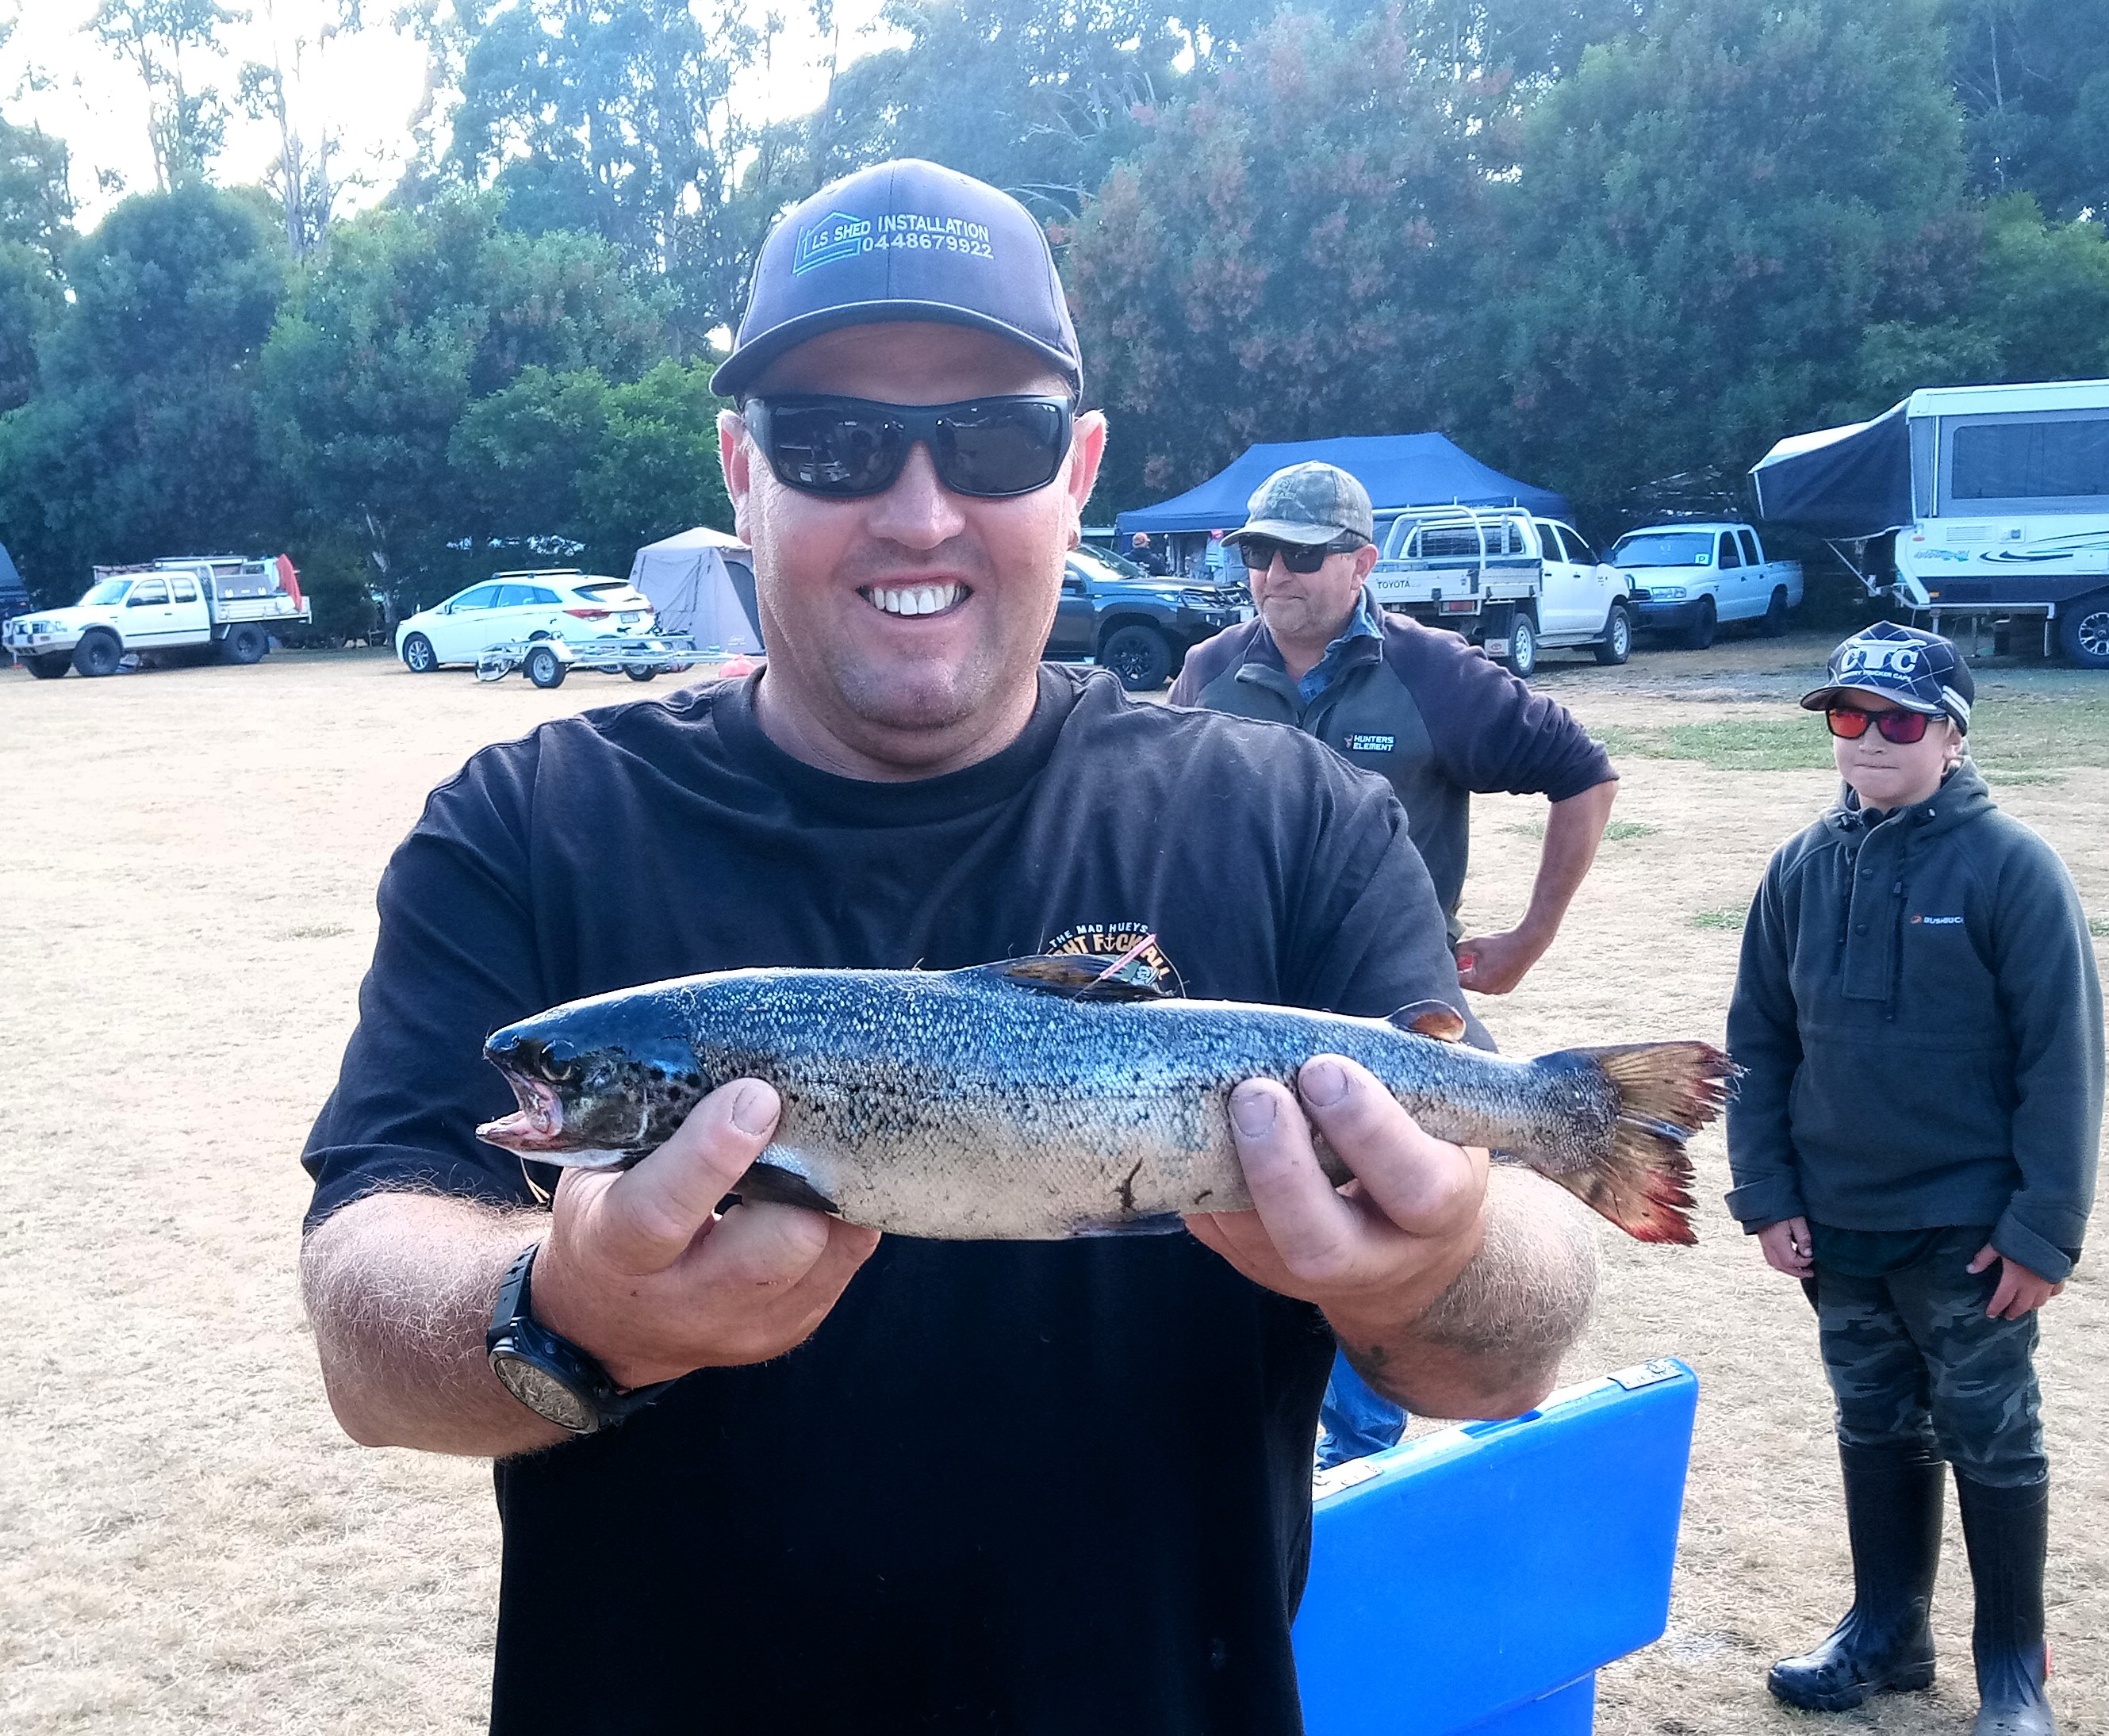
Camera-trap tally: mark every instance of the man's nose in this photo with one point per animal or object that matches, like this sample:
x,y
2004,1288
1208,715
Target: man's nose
x,y
919,511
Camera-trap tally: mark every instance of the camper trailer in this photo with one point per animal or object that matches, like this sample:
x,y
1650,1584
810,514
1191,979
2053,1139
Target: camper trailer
x,y
1989,501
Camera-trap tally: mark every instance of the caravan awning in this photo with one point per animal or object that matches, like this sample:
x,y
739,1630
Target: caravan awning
x,y
1843,483
1399,471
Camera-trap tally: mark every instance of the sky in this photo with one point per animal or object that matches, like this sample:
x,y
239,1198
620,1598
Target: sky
x,y
55,76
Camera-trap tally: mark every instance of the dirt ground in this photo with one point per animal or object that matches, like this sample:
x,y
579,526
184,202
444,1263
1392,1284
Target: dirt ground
x,y
192,1546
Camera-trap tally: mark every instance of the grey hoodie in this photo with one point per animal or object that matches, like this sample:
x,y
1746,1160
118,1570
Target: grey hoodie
x,y
1919,1014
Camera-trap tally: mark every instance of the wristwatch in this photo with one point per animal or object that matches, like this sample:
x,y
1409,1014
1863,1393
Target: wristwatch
x,y
550,1375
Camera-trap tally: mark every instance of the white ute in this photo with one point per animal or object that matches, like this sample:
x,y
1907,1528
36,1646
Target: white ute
x,y
1507,581
1689,578
181,605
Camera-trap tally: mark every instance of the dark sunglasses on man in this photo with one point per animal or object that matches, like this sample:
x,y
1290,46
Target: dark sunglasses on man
x,y
1902,727
844,448
1299,557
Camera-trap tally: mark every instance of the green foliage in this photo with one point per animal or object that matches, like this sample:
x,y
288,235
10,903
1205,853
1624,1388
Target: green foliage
x,y
1758,744
142,440
1282,259
413,317
2033,77
36,203
30,303
1724,922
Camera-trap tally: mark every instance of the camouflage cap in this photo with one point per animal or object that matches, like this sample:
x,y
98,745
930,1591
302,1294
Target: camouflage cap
x,y
1308,504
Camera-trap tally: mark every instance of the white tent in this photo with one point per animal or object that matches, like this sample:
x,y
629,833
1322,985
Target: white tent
x,y
702,582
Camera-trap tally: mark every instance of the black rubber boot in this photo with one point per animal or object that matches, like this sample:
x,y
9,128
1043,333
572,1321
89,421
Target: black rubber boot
x,y
1893,1502
2009,1530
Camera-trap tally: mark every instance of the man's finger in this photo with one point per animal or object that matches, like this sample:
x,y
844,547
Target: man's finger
x,y
646,1219
1424,1185
1315,1231
1985,1256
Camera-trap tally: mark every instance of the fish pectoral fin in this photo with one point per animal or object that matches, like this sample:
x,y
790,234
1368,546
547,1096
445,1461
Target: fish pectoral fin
x,y
769,1184
1082,976
1436,1019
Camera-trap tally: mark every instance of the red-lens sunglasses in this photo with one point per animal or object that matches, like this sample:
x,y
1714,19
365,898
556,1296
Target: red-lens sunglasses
x,y
1903,727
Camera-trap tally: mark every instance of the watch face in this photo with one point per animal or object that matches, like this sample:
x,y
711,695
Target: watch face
x,y
542,1393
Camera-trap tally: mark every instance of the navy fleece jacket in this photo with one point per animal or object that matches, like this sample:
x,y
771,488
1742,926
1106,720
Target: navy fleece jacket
x,y
1919,1014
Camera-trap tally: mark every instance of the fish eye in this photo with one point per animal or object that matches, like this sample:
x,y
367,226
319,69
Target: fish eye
x,y
557,1070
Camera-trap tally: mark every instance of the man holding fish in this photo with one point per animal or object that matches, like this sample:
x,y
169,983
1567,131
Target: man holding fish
x,y
728,1435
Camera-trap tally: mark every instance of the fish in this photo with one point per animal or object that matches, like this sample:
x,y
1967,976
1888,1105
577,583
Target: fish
x,y
1065,1095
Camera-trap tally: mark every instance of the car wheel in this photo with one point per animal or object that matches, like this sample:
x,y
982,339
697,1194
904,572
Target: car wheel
x,y
98,654
1139,655
1699,634
418,655
545,668
1522,659
646,673
1774,625
1617,643
50,666
246,643
2083,629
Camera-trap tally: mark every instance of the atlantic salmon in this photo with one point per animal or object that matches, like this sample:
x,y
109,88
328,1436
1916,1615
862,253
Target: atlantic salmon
x,y
1041,1098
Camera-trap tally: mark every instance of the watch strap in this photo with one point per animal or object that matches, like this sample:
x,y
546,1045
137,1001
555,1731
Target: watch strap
x,y
515,1332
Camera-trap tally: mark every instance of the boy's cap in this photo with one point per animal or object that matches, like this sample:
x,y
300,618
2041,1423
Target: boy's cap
x,y
1918,670
1309,504
903,240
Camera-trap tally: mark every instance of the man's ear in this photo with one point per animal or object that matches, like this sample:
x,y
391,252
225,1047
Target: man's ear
x,y
735,457
1087,447
1365,559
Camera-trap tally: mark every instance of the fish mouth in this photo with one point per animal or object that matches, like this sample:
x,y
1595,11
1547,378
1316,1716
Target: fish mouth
x,y
537,1125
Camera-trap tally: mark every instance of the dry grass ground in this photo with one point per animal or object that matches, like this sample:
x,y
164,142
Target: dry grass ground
x,y
192,1546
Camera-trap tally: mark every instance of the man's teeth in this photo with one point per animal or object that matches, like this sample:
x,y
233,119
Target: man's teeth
x,y
920,599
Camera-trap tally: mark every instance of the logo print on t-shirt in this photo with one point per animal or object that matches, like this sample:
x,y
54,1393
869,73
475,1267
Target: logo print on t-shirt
x,y
1110,939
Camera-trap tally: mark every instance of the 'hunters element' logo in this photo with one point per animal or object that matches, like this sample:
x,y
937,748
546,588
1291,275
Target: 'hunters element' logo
x,y
1110,939
838,236
1371,744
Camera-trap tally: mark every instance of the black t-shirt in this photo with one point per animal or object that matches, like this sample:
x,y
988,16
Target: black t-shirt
x,y
1016,1487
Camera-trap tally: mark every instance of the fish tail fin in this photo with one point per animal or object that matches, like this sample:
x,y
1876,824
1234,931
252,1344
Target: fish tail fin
x,y
1641,1180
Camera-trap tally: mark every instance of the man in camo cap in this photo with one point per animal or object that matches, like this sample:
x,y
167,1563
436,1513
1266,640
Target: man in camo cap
x,y
1426,712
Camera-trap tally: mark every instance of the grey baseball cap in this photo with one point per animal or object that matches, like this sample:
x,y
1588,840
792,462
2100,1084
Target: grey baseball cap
x,y
903,240
1308,504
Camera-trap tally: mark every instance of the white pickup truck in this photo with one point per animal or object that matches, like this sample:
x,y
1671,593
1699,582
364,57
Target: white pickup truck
x,y
1688,579
182,607
1507,581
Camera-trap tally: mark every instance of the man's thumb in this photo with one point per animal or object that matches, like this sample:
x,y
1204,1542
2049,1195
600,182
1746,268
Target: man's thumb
x,y
646,1219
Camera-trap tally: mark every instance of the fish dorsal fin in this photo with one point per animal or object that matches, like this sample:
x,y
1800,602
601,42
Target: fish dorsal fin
x,y
1436,1019
1082,976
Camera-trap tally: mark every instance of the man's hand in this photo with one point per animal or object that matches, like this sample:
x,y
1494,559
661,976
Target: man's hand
x,y
1787,1246
640,1271
1493,964
1375,1254
2021,1292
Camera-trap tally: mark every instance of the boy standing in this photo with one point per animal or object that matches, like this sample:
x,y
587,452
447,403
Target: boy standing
x,y
1918,1013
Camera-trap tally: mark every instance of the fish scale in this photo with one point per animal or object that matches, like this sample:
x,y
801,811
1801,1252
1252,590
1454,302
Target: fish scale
x,y
1041,1098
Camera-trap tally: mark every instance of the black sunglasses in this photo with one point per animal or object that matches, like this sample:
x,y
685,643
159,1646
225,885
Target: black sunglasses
x,y
1299,557
845,447
1903,727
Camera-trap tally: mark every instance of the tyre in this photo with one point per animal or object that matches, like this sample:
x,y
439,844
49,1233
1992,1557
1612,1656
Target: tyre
x,y
418,655
1522,659
246,643
1773,624
48,665
545,668
1617,643
98,654
1699,634
1139,655
647,673
2083,630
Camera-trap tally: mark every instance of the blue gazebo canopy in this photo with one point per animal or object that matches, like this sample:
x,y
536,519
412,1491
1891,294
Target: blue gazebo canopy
x,y
1399,471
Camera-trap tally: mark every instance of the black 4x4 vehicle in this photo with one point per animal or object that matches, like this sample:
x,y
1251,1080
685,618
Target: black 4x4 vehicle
x,y
1139,626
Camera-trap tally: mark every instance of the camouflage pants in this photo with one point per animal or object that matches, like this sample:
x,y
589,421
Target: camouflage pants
x,y
1913,1359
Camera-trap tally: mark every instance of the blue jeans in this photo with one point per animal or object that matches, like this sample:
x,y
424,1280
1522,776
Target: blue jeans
x,y
1357,1421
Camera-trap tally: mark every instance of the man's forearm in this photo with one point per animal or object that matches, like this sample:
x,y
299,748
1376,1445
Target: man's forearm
x,y
1573,828
1490,1345
399,1289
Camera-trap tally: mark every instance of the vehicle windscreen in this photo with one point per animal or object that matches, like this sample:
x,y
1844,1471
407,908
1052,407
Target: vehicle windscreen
x,y
1665,548
1126,568
613,594
1103,567
109,591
